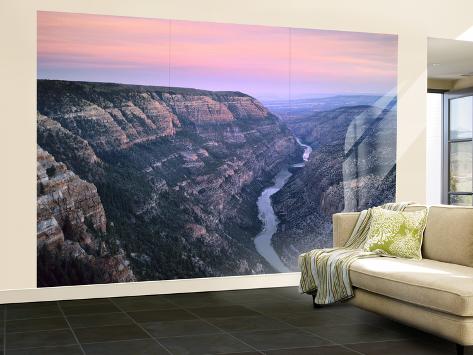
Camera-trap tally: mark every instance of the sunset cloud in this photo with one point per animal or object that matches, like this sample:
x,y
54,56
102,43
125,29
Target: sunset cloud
x,y
259,60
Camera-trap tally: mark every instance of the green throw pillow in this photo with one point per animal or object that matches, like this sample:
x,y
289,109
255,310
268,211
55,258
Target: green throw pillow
x,y
396,233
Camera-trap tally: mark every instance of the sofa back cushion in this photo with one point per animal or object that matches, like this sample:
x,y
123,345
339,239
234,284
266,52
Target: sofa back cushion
x,y
448,236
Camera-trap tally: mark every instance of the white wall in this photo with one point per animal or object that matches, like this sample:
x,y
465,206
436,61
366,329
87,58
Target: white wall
x,y
414,21
434,149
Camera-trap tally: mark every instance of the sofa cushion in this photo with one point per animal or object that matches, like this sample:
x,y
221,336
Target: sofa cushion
x,y
396,233
448,236
441,286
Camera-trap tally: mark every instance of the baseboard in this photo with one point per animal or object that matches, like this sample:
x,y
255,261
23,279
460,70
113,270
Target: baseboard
x,y
150,288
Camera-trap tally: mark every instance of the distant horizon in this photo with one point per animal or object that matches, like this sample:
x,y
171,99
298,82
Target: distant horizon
x,y
263,99
262,61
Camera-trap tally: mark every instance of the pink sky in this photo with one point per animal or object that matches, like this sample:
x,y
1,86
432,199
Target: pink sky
x,y
266,62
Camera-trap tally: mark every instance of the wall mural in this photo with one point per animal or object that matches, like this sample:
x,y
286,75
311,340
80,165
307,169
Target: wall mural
x,y
177,149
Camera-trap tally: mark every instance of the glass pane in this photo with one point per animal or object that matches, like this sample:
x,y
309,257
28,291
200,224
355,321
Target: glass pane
x,y
461,117
461,200
461,166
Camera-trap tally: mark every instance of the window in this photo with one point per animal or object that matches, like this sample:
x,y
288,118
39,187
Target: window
x,y
458,148
434,148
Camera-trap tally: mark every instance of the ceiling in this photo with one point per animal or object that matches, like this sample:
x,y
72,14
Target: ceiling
x,y
449,59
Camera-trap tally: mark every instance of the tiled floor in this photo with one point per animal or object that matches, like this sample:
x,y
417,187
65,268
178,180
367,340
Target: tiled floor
x,y
264,321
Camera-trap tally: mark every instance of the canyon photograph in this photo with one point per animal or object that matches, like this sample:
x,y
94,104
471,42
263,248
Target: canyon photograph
x,y
172,149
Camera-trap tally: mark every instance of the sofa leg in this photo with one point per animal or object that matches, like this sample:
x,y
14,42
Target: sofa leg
x,y
460,349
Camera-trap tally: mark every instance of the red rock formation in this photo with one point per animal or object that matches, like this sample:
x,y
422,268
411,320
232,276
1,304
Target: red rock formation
x,y
127,115
198,108
246,107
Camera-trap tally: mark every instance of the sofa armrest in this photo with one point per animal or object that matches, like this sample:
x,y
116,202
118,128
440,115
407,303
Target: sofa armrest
x,y
343,224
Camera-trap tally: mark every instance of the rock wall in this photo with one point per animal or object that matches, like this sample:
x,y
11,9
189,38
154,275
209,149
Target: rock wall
x,y
70,215
178,171
352,167
114,116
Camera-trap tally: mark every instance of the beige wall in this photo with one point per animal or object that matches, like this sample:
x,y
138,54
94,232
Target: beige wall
x,y
440,84
412,20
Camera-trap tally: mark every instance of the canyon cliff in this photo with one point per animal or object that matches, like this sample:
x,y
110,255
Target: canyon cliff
x,y
163,181
71,226
352,167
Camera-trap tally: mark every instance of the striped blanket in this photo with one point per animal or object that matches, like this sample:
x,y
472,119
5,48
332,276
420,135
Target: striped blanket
x,y
325,272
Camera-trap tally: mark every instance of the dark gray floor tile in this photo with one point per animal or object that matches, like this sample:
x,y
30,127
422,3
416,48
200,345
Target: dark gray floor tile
x,y
98,320
42,310
259,291
321,350
262,318
128,347
303,300
278,339
340,306
292,289
406,347
282,307
359,333
255,298
225,311
90,309
39,339
180,327
240,324
86,302
27,325
199,299
254,291
183,297
404,331
234,298
357,314
291,293
30,305
276,295
156,298
110,333
314,318
143,303
59,350
161,315
204,344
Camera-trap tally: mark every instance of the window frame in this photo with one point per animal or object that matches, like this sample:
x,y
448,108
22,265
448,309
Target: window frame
x,y
446,141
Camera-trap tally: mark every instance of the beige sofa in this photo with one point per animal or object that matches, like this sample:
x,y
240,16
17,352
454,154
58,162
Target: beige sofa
x,y
434,294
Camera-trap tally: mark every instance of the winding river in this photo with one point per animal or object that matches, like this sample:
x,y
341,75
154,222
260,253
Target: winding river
x,y
268,217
